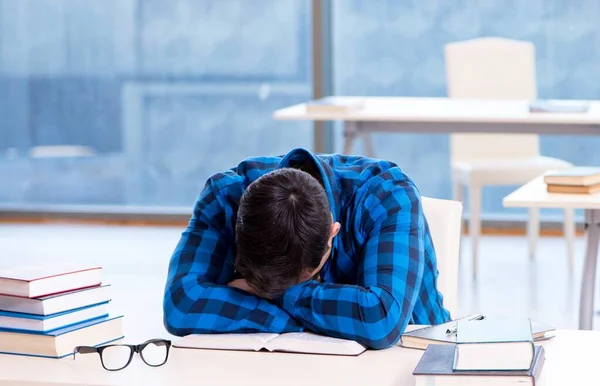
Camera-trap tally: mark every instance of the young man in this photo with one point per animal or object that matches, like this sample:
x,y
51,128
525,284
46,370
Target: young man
x,y
332,244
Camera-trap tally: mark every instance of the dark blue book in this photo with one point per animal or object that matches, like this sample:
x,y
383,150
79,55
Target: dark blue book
x,y
435,368
61,343
15,321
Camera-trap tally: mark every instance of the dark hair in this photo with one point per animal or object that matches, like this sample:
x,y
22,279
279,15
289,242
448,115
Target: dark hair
x,y
282,229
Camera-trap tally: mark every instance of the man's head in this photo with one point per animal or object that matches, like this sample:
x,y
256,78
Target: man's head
x,y
284,231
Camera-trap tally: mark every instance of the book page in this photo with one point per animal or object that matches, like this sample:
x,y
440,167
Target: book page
x,y
244,342
304,342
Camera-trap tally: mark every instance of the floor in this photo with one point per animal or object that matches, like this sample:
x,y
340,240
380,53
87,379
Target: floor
x,y
135,261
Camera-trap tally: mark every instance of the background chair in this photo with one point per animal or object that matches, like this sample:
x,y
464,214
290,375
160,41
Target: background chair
x,y
444,219
497,68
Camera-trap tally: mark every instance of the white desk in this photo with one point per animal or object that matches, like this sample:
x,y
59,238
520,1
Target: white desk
x,y
534,195
444,115
570,360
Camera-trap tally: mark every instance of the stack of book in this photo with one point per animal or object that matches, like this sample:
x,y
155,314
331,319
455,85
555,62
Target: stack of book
x,y
47,311
575,180
490,351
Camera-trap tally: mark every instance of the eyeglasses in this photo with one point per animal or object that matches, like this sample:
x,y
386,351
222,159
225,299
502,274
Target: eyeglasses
x,y
114,357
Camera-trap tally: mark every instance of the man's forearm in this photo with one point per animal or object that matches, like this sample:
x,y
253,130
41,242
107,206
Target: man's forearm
x,y
372,316
194,308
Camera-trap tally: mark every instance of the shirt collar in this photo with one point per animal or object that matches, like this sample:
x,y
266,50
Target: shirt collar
x,y
329,181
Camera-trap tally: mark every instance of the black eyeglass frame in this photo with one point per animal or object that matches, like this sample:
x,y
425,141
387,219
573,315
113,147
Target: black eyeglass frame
x,y
133,348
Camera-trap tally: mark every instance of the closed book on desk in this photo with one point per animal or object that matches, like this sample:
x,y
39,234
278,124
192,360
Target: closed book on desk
x,y
60,343
296,342
54,304
38,323
334,105
558,107
575,176
435,368
568,189
494,344
52,278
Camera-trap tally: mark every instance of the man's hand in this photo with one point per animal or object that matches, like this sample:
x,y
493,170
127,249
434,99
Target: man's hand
x,y
243,285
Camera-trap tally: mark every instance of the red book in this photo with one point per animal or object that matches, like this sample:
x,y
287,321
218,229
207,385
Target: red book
x,y
47,279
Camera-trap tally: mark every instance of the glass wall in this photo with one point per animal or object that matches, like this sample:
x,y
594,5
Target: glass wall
x,y
137,102
395,48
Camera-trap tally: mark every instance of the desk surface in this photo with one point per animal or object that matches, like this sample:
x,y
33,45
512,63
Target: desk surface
x,y
534,194
401,109
570,361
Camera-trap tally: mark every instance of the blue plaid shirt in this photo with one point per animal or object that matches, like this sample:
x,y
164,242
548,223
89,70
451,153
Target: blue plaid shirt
x,y
381,274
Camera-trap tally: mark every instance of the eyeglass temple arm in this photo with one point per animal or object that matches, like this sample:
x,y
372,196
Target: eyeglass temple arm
x,y
84,350
158,342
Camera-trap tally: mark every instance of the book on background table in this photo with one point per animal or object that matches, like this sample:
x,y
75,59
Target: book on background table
x,y
47,323
294,342
334,105
547,106
445,333
54,304
61,343
567,189
493,344
574,176
46,279
435,368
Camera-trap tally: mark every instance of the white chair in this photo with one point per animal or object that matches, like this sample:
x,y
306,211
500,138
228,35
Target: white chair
x,y
444,219
497,68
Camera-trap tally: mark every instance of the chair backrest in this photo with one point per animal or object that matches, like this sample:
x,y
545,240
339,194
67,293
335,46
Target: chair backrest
x,y
491,68
444,220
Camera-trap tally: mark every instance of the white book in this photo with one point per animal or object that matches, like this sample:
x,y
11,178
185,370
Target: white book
x,y
54,304
295,342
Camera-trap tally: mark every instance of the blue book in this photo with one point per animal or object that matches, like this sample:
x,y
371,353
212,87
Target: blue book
x,y
61,343
14,321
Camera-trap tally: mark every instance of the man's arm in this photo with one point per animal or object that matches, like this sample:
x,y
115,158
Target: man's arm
x,y
376,311
197,298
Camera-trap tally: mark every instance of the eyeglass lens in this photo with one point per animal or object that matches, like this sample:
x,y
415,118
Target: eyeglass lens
x,y
155,353
116,357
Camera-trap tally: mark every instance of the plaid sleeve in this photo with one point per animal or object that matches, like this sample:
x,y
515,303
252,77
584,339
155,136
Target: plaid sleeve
x,y
197,298
376,311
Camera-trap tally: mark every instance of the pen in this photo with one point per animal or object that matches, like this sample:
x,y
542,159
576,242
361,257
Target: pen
x,y
454,329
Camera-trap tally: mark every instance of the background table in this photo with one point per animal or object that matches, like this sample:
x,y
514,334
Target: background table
x,y
534,195
444,115
569,361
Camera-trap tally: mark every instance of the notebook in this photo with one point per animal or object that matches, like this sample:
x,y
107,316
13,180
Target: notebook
x,y
53,304
40,323
446,333
493,344
545,106
435,368
60,343
334,105
575,176
294,342
52,278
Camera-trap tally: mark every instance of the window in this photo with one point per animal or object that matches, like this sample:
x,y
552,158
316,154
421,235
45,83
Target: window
x,y
137,102
396,48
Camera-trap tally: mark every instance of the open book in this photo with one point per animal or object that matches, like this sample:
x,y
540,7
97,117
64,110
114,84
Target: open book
x,y
296,342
